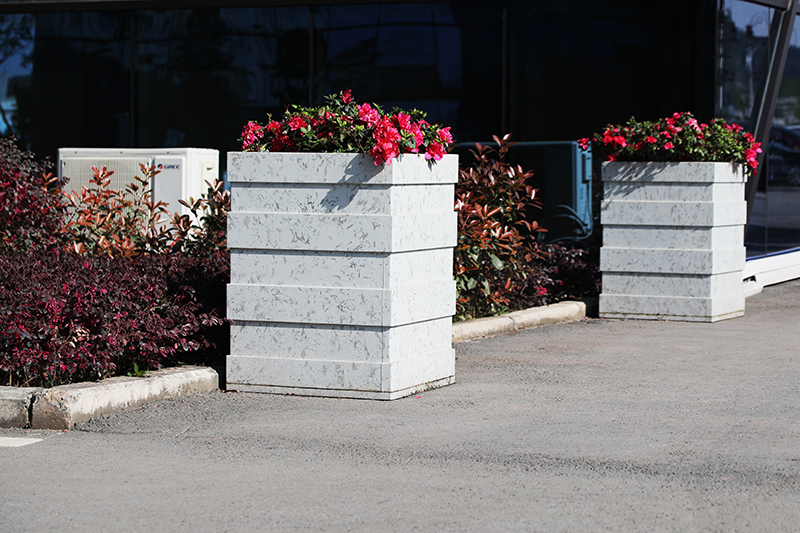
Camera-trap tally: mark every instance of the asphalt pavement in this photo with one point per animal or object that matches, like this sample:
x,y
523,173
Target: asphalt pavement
x,y
598,425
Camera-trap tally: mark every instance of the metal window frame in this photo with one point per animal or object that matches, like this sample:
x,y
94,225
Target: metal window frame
x,y
764,107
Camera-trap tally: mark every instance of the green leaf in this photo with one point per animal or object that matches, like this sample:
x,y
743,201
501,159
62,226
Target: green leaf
x,y
497,262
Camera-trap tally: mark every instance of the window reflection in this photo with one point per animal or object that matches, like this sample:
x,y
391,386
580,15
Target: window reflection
x,y
202,73
16,46
413,56
774,225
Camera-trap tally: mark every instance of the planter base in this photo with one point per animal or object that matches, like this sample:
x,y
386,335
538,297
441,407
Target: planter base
x,y
342,393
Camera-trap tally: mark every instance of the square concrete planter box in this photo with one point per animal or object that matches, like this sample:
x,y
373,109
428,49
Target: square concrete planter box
x,y
673,241
341,274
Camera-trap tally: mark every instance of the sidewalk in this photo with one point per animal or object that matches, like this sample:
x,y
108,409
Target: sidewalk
x,y
598,425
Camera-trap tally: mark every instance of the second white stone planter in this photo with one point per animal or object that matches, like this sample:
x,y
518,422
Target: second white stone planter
x,y
673,241
341,274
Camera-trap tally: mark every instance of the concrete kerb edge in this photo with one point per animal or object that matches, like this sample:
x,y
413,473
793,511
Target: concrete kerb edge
x,y
64,406
528,318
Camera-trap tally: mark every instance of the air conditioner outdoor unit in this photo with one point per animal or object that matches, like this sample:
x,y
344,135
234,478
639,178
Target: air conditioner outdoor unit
x,y
183,171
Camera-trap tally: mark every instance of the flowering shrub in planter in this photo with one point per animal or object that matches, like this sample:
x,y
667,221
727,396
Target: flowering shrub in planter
x,y
677,138
342,125
673,218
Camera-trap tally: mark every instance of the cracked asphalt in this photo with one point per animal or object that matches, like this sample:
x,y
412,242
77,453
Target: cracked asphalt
x,y
599,425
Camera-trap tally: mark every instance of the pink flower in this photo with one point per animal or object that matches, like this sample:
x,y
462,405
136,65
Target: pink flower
x,y
415,130
751,155
368,115
435,151
251,133
445,135
296,123
347,96
402,121
282,143
583,143
669,146
650,139
386,137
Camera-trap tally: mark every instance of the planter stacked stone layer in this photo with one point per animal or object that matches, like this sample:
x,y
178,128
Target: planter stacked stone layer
x,y
341,274
673,241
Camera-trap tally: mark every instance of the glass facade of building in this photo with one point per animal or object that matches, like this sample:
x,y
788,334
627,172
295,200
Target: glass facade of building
x,y
95,75
192,77
745,44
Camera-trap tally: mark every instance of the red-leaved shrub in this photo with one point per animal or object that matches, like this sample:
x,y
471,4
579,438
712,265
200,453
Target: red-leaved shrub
x,y
137,295
495,241
31,204
66,318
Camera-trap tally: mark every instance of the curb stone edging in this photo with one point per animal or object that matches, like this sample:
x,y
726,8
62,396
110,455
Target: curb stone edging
x,y
527,318
64,406
15,405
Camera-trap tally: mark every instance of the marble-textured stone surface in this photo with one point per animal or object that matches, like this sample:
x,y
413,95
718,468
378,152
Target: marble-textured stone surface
x,y
356,233
673,241
671,307
337,305
655,260
341,199
692,214
673,237
341,269
341,274
679,285
672,172
341,343
313,168
671,192
337,377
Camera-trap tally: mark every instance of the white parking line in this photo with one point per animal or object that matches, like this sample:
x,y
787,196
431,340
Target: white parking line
x,y
13,442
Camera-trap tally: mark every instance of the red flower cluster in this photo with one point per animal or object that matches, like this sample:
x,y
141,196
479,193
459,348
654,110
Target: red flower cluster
x,y
679,137
251,133
342,125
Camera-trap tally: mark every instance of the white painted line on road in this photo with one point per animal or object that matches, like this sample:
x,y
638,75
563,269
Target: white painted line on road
x,y
12,442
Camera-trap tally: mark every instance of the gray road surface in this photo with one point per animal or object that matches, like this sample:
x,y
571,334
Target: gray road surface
x,y
591,426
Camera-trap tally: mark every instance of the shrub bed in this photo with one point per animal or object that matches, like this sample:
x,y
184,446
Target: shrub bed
x,y
498,264
108,287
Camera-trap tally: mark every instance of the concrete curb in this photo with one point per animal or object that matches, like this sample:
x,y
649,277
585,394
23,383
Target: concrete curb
x,y
63,407
15,406
527,318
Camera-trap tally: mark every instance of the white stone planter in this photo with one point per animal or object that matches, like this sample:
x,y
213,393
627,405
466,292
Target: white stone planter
x,y
673,241
341,274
